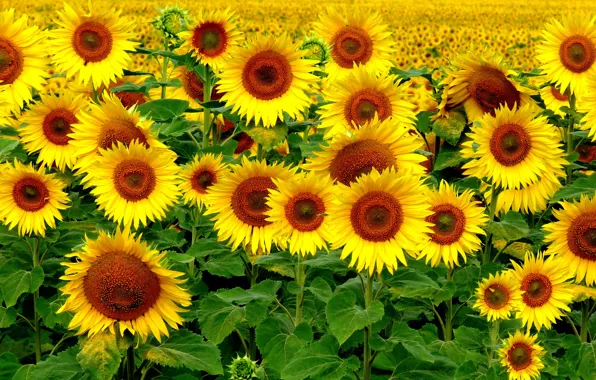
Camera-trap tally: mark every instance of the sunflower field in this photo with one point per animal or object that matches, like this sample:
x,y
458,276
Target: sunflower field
x,y
299,190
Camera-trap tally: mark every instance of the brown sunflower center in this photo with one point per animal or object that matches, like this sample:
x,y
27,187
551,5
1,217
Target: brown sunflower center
x,y
491,89
267,75
305,212
376,216
245,142
120,130
538,289
496,296
30,194
210,39
121,286
248,200
56,125
363,105
92,41
510,144
449,222
129,98
577,53
11,62
581,236
359,158
134,179
193,85
351,45
519,356
202,180
557,94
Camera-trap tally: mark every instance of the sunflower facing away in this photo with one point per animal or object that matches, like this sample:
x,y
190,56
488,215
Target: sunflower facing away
x,y
266,79
521,356
199,176
554,99
119,283
191,89
92,45
497,296
135,184
298,208
587,104
457,221
30,199
545,290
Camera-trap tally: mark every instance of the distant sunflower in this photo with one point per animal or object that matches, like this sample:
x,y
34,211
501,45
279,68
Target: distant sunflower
x,y
92,46
47,129
457,221
266,79
512,148
360,38
118,283
521,356
30,199
554,99
298,209
545,290
378,218
568,52
497,296
376,144
200,175
135,184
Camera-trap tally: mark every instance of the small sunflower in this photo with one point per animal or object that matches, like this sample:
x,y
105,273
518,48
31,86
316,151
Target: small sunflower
x,y
119,283
192,88
554,99
497,296
378,218
200,175
266,79
545,290
521,356
129,98
457,222
30,199
93,46
135,184
376,144
298,209
568,52
47,129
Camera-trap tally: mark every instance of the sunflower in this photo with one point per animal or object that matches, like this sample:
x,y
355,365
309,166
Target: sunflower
x,y
245,142
135,183
239,204
497,296
355,99
361,38
48,124
199,175
267,79
376,144
521,356
191,88
545,290
30,199
119,282
298,208
482,85
568,52
128,98
457,221
212,38
378,217
587,105
554,99
512,148
92,45
573,237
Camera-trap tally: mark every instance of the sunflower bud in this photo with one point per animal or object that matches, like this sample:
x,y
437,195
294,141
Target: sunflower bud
x,y
171,20
242,368
317,49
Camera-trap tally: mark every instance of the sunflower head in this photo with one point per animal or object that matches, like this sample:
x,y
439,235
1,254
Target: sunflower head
x,y
555,99
521,356
316,49
199,176
242,368
497,296
171,20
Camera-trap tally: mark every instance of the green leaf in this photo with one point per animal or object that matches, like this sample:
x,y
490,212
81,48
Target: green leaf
x,y
63,366
263,291
206,247
469,338
218,318
448,157
7,146
99,356
268,137
411,340
329,261
7,317
408,74
411,283
512,226
187,349
345,317
163,109
423,121
228,266
47,309
582,185
582,357
450,129
9,365
277,342
15,281
321,289
176,128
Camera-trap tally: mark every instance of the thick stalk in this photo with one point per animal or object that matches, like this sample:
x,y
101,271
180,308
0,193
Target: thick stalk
x,y
494,340
448,336
130,362
368,297
36,322
300,280
207,111
569,135
491,215
252,342
259,152
164,69
584,328
191,265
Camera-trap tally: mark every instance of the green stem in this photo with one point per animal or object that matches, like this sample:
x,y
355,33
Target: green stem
x,y
191,265
146,370
494,340
368,297
300,280
491,214
252,342
584,328
569,135
130,362
36,320
437,150
164,69
207,112
259,152
448,336
242,341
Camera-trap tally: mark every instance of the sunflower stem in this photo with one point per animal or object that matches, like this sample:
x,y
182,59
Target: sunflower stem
x,y
496,190
252,342
259,152
300,279
584,328
36,318
448,333
207,111
164,68
494,340
130,362
569,134
368,297
436,150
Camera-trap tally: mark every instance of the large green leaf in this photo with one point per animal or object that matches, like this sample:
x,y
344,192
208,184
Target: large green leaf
x,y
163,109
321,289
263,291
7,146
582,185
511,226
450,129
411,340
448,157
268,137
278,341
63,366
218,318
345,317
48,311
14,280
412,283
225,266
99,356
7,317
9,365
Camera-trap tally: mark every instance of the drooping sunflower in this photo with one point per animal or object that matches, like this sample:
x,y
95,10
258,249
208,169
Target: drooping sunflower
x,y
378,218
128,98
266,79
521,356
200,175
497,296
92,45
119,283
554,99
512,148
573,238
212,38
135,184
360,38
568,52
238,203
457,221
297,209
47,129
545,290
30,199
355,99
377,144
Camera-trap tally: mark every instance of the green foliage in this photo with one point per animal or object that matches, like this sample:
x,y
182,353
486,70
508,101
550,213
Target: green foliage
x,y
345,317
99,355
